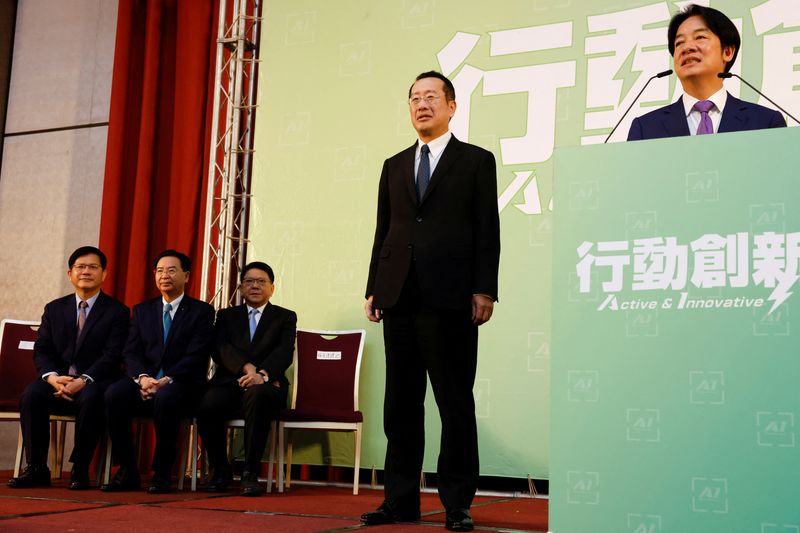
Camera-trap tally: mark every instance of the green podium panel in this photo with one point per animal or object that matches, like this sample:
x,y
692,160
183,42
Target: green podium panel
x,y
676,355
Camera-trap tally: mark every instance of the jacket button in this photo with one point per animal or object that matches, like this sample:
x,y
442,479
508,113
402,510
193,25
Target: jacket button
x,y
419,219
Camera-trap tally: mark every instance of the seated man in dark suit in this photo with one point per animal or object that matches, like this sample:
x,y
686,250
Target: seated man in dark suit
x,y
254,348
167,355
78,354
703,42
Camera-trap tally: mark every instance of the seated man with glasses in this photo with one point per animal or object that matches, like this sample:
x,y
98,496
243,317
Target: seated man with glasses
x,y
78,354
166,355
254,345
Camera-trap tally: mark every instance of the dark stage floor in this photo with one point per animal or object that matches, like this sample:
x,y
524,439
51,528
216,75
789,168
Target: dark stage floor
x,y
304,508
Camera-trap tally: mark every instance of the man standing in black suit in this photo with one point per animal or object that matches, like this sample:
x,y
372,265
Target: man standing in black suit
x,y
78,354
703,43
167,355
433,281
254,348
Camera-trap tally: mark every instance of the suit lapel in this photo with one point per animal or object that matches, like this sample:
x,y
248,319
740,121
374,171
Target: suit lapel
x,y
69,313
241,325
407,169
177,320
91,320
674,119
269,310
449,156
734,116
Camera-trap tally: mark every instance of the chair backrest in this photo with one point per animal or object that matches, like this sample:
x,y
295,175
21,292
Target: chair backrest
x,y
326,369
17,369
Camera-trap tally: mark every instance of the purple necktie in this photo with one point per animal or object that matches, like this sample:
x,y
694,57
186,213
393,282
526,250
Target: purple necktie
x,y
704,106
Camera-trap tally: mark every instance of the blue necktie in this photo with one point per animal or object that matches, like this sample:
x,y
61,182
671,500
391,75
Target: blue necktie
x,y
423,172
167,324
253,323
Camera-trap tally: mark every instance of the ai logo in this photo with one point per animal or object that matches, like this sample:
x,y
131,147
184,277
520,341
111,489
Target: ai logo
x,y
584,195
640,225
775,323
702,186
709,495
350,163
641,323
767,217
644,425
354,59
583,487
707,387
644,523
296,127
300,28
584,386
418,13
775,429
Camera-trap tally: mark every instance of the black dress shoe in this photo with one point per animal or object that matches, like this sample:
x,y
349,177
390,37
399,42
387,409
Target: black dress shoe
x,y
79,479
32,476
124,480
386,515
221,480
159,485
250,486
459,520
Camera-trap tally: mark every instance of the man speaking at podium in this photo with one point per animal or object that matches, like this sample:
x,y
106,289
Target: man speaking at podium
x,y
703,43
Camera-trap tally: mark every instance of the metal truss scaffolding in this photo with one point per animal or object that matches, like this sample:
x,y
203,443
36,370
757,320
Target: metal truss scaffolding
x,y
230,161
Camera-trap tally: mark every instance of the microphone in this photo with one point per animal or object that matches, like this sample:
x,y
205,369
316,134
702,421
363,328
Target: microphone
x,y
726,75
659,75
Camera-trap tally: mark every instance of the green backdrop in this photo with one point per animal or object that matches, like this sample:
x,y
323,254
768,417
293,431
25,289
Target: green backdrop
x,y
530,75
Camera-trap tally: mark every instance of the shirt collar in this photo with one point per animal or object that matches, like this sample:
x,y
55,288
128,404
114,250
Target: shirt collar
x,y
90,302
719,98
437,145
259,309
174,303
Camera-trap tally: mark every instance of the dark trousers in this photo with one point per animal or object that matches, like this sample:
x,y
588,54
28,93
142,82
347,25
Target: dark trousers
x,y
258,406
171,404
38,403
442,344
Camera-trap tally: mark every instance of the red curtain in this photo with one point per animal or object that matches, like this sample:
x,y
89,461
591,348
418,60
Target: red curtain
x,y
158,140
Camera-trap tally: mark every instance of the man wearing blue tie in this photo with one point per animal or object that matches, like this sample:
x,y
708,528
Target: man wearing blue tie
x,y
253,349
703,43
167,355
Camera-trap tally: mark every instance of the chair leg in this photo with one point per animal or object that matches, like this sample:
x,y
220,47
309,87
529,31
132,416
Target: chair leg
x,y
357,460
18,460
62,438
288,459
185,439
53,447
194,445
272,441
107,467
280,456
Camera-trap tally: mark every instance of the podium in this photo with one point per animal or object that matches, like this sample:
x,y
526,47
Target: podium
x,y
676,336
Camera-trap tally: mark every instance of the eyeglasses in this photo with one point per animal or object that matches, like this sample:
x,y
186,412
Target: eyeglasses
x,y
171,271
429,100
254,281
80,267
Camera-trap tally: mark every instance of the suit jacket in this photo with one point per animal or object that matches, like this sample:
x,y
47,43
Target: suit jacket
x,y
97,352
185,355
271,348
670,121
451,237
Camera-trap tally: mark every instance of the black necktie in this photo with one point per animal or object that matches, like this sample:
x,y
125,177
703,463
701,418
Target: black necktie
x,y
423,172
